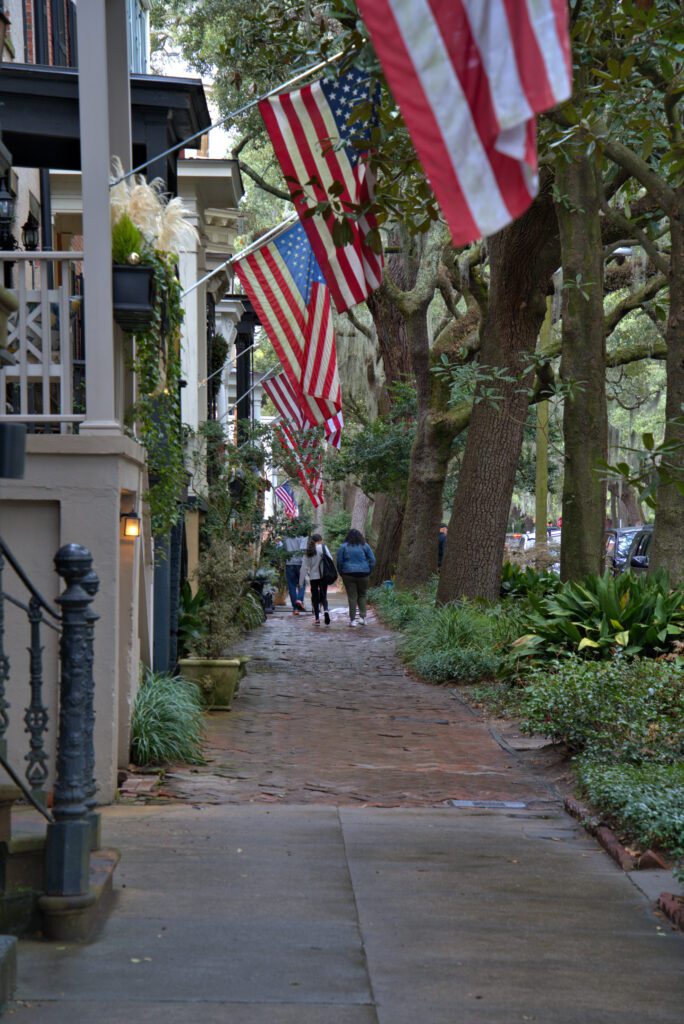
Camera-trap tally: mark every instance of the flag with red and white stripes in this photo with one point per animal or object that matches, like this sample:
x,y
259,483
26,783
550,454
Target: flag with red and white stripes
x,y
289,405
286,497
305,451
292,301
317,148
469,77
287,402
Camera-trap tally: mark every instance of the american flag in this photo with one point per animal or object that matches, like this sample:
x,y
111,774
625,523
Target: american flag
x,y
287,401
469,76
289,404
292,301
305,451
315,147
286,497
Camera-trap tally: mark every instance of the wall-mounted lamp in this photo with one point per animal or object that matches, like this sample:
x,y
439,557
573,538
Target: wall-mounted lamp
x,y
131,525
30,233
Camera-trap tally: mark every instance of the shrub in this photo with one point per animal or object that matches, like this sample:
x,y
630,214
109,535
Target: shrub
x,y
627,711
464,642
647,801
638,615
395,607
523,583
167,721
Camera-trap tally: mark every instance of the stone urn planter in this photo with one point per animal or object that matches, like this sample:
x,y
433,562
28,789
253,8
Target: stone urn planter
x,y
244,660
217,678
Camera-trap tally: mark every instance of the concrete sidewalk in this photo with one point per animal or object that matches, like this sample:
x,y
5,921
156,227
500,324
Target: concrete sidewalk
x,y
321,915
317,872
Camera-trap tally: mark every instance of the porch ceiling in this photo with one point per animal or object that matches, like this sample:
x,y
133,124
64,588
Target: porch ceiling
x,y
39,115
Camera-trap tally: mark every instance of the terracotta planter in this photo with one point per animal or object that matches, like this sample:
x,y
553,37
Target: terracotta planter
x,y
217,678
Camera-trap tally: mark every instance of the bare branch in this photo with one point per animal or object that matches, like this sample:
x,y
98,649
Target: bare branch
x,y
659,259
359,325
262,183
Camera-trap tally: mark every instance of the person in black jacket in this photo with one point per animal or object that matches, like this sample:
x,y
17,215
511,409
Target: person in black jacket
x,y
443,531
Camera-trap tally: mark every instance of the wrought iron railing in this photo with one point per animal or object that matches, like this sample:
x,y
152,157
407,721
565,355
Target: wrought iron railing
x,y
73,824
45,388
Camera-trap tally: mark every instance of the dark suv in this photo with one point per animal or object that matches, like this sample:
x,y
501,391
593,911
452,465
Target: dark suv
x,y
637,558
618,543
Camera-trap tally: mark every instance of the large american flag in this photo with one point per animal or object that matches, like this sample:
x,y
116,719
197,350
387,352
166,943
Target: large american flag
x,y
469,76
286,497
314,145
292,301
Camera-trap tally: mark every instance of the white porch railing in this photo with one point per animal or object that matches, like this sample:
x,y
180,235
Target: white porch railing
x,y
45,388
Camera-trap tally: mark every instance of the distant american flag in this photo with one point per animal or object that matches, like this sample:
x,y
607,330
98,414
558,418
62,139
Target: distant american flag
x,y
285,496
292,301
469,77
305,127
305,451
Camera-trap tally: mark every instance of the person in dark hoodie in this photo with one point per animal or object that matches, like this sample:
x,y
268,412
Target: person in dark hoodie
x,y
355,563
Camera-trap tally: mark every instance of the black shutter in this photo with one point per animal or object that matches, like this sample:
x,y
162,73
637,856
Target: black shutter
x,y
60,46
71,26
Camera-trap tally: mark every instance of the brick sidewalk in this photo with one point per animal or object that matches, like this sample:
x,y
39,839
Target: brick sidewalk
x,y
328,715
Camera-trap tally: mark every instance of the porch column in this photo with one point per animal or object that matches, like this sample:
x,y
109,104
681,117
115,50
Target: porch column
x,y
104,112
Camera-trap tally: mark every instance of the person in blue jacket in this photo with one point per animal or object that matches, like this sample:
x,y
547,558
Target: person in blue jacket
x,y
355,563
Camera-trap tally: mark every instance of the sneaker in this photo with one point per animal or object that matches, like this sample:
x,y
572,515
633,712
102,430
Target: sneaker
x,y
300,606
295,611
352,622
317,622
362,620
326,618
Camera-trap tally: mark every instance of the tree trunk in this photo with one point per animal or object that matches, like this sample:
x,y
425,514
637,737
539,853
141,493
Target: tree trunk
x,y
668,537
522,257
429,464
360,510
583,367
389,516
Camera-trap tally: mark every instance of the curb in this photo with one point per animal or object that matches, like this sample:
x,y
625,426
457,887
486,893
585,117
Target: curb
x,y
672,906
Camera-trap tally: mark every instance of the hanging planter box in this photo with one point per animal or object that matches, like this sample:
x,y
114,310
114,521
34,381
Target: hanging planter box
x,y
133,295
12,450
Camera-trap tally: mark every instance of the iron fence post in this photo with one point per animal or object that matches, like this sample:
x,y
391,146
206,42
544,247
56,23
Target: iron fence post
x,y
69,838
91,584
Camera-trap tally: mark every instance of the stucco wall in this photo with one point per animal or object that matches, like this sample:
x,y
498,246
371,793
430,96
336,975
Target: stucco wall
x,y
72,492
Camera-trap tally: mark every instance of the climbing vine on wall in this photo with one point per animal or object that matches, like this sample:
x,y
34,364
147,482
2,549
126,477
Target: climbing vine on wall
x,y
156,412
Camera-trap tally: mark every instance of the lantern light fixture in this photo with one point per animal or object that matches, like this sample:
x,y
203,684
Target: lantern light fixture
x,y
7,205
30,233
131,525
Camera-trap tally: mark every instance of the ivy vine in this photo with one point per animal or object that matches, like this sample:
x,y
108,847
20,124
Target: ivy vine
x,y
156,412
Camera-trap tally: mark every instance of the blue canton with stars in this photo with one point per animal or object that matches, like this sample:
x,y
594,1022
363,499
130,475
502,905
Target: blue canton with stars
x,y
296,252
343,94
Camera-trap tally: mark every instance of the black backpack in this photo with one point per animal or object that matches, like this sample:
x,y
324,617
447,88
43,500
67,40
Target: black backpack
x,y
327,571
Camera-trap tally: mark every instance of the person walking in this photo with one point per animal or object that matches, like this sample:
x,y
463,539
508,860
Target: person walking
x,y
295,547
355,563
311,567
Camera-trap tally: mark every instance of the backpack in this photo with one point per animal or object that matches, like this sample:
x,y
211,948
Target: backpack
x,y
326,569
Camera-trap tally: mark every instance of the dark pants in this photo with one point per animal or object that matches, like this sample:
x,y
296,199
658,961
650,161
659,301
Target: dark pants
x,y
357,588
319,596
292,577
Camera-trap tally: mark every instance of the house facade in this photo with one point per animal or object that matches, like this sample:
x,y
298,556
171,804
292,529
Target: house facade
x,y
70,382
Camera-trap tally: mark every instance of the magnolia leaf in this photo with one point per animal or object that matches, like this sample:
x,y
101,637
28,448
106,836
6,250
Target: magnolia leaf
x,y
622,638
586,642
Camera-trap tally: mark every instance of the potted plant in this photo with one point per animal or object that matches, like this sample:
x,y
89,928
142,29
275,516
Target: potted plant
x,y
132,277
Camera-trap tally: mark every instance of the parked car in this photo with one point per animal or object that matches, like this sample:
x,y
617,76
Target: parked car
x,y
637,558
618,543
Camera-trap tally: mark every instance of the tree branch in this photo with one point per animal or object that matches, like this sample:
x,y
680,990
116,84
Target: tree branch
x,y
633,301
262,183
659,259
359,325
637,168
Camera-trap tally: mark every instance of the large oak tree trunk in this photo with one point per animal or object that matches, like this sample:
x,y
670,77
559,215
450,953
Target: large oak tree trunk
x,y
583,367
668,538
388,518
522,258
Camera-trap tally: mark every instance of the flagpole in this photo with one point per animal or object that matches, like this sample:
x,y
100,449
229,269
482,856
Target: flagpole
x,y
229,117
268,237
